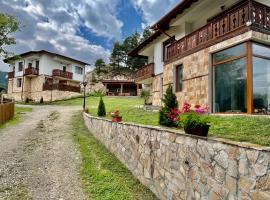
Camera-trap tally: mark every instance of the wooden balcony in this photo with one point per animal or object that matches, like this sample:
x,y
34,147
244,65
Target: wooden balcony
x,y
11,74
61,87
145,72
31,71
248,15
62,74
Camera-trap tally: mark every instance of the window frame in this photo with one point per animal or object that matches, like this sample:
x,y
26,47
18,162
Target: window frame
x,y
179,88
78,70
19,82
20,66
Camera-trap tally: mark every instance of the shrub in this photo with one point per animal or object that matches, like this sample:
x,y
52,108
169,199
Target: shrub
x,y
41,100
170,103
101,108
192,119
97,93
145,94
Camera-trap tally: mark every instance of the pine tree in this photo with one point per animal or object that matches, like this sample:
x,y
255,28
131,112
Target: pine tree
x,y
170,102
101,108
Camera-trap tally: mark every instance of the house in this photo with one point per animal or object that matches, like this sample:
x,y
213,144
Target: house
x,y
214,53
121,87
43,74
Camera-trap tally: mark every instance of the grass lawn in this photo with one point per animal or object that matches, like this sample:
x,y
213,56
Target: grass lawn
x,y
253,129
18,116
128,107
104,177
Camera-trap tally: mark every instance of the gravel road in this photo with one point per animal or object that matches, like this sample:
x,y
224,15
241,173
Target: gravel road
x,y
38,158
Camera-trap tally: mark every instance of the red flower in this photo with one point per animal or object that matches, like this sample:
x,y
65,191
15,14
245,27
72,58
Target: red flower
x,y
174,114
186,107
197,106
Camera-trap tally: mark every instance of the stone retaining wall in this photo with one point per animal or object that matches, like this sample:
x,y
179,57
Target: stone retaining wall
x,y
179,166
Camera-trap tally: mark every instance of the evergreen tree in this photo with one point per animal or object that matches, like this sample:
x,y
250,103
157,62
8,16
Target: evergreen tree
x,y
101,108
170,102
100,64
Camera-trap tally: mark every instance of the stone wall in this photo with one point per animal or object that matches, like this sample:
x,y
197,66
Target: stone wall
x,y
178,166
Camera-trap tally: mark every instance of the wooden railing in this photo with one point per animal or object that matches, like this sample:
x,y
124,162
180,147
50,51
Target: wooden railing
x,y
233,21
61,87
6,112
11,74
61,73
31,71
144,72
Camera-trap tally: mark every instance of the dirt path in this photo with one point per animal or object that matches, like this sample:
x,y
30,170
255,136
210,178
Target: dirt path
x,y
38,159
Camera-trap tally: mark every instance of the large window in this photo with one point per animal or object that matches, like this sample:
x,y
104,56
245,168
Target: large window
x,y
20,68
19,82
261,78
230,82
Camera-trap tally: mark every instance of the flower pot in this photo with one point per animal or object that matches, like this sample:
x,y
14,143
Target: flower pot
x,y
198,130
117,119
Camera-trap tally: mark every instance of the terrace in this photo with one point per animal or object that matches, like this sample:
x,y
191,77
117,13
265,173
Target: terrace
x,y
62,74
248,15
144,72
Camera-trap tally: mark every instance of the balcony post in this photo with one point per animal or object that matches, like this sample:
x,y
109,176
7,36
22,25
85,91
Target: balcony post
x,y
121,91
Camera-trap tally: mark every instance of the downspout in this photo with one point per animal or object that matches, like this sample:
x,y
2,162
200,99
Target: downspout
x,y
23,79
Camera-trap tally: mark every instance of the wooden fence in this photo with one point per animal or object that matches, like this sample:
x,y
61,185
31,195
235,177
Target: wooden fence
x,y
6,112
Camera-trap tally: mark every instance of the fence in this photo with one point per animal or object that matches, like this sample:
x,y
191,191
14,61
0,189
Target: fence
x,y
7,110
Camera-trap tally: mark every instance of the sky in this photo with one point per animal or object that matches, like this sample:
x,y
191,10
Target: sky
x,y
82,29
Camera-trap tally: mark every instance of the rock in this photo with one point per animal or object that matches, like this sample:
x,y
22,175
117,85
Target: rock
x,y
219,174
261,165
261,195
222,159
232,168
246,183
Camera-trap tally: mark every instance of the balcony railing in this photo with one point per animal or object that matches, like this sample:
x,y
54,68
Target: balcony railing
x,y
63,74
61,87
145,72
31,71
230,23
11,74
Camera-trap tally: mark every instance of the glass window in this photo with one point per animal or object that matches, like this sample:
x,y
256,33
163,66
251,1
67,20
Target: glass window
x,y
179,78
231,53
261,50
20,68
37,64
19,82
78,70
261,84
29,65
230,86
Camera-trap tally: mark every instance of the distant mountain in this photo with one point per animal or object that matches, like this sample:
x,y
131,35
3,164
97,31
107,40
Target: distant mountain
x,y
3,80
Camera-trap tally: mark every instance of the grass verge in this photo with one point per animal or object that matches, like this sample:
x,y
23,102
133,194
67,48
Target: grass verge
x,y
104,176
19,112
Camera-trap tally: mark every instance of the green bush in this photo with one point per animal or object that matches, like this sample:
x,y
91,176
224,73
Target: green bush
x,y
193,120
97,93
145,94
170,102
101,108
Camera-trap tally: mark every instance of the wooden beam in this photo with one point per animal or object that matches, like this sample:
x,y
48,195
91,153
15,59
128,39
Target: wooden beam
x,y
250,104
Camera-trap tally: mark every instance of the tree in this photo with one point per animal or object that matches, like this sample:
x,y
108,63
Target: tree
x,y
8,25
117,55
101,108
146,33
100,64
170,102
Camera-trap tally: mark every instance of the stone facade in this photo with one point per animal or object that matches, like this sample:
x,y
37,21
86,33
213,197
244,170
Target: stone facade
x,y
33,89
179,166
197,71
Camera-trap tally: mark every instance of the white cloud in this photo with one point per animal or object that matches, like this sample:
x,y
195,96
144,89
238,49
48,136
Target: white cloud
x,y
54,25
153,10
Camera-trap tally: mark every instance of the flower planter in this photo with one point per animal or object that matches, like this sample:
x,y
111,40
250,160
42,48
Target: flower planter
x,y
199,130
117,119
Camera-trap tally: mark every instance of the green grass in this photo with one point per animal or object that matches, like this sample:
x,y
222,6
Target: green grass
x,y
18,116
104,177
128,108
252,129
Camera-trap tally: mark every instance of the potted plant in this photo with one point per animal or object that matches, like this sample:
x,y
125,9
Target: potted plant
x,y
116,116
194,121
